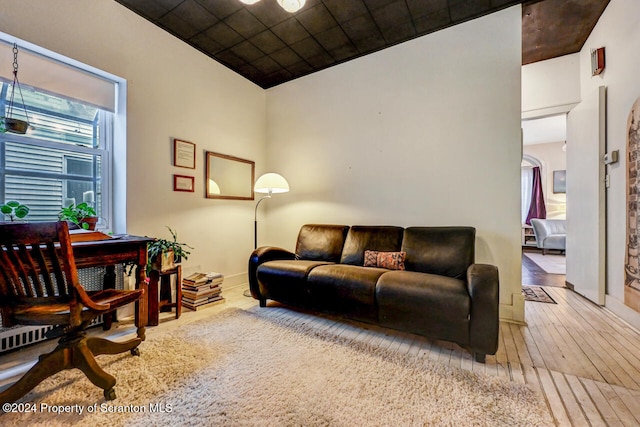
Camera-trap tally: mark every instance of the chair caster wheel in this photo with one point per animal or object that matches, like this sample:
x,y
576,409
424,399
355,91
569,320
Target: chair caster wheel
x,y
110,394
135,351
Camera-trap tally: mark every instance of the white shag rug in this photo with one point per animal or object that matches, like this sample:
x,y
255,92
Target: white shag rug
x,y
550,263
245,368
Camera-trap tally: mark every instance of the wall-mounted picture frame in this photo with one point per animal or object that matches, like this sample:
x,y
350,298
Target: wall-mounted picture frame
x,y
559,182
183,183
184,154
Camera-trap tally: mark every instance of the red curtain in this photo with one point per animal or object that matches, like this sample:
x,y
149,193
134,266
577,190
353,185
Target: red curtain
x,y
537,208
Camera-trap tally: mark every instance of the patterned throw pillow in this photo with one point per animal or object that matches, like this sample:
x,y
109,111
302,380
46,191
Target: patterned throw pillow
x,y
388,260
370,258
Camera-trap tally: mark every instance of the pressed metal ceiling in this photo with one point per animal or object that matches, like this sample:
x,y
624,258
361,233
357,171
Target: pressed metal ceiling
x,y
269,46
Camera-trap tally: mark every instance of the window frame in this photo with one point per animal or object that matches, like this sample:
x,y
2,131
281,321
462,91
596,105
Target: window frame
x,y
111,141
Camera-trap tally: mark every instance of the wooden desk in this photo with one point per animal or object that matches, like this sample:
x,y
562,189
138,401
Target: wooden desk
x,y
107,253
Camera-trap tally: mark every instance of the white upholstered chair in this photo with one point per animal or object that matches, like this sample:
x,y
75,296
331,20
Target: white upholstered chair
x,y
550,234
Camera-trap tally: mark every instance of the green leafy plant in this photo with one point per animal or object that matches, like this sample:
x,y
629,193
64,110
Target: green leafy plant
x,y
15,210
156,248
77,214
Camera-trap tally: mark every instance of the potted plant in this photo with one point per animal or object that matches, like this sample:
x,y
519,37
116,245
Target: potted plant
x,y
162,254
15,210
82,215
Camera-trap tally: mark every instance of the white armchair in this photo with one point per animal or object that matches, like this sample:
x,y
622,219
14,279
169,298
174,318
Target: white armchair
x,y
550,234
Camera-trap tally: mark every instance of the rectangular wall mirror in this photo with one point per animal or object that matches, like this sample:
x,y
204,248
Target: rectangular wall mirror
x,y
229,177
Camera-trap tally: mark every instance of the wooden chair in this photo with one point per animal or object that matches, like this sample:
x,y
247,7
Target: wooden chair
x,y
39,286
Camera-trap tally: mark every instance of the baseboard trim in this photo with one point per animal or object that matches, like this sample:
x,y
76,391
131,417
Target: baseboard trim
x,y
620,309
235,280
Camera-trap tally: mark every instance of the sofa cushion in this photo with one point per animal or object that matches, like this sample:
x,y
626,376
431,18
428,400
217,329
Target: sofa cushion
x,y
286,280
426,304
321,242
373,238
388,260
447,251
345,289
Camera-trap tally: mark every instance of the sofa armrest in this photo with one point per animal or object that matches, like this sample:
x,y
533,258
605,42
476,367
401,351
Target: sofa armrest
x,y
262,255
484,289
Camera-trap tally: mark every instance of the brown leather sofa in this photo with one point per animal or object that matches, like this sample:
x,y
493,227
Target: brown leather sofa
x,y
441,293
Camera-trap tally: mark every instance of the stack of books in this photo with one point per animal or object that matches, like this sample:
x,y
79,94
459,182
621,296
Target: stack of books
x,y
202,290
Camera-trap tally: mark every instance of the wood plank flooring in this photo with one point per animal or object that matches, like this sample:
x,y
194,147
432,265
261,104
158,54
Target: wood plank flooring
x,y
582,359
534,275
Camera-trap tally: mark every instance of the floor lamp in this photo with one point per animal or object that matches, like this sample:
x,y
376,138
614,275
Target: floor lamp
x,y
269,183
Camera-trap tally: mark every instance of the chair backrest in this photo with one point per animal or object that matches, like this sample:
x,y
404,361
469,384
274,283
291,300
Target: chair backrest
x,y
543,228
556,226
36,263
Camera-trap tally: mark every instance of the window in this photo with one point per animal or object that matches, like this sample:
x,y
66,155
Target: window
x,y
66,156
60,161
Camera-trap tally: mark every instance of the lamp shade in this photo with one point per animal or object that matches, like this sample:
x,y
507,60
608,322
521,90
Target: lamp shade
x,y
271,183
249,1
291,6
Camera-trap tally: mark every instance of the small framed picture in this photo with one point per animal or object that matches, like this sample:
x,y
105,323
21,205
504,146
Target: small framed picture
x,y
560,181
184,154
183,183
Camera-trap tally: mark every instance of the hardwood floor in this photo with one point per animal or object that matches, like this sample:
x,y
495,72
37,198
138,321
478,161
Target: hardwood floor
x,y
534,275
582,359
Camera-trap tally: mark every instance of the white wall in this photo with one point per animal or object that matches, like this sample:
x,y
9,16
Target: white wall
x,y
419,134
424,133
550,87
618,30
173,91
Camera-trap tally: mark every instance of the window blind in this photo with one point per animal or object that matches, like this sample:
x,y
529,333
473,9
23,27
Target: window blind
x,y
58,78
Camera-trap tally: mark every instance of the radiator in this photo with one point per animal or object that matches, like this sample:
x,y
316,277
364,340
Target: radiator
x,y
19,336
12,338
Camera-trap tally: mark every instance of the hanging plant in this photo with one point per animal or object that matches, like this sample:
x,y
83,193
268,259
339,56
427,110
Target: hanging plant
x,y
9,123
15,126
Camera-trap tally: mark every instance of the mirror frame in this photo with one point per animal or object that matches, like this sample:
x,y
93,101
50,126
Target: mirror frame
x,y
212,157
